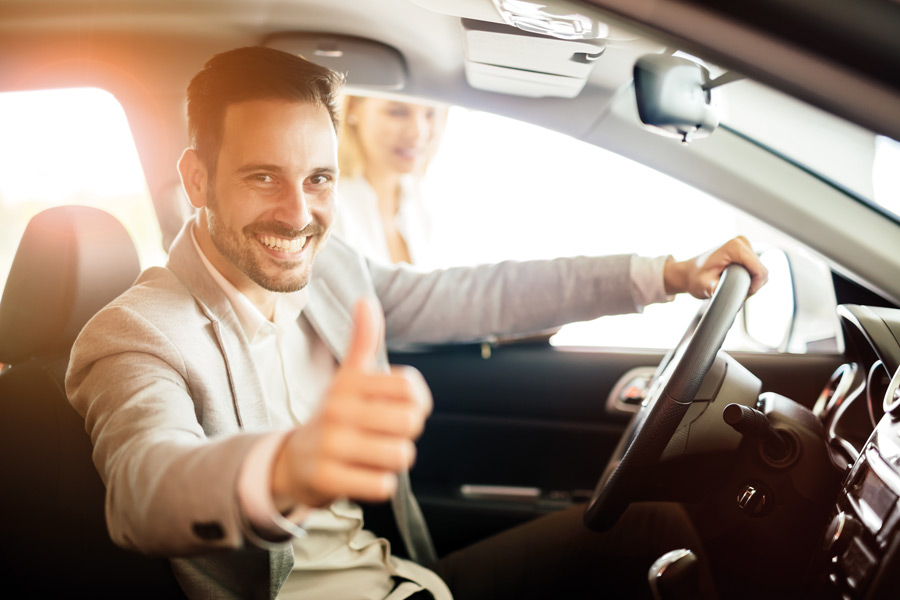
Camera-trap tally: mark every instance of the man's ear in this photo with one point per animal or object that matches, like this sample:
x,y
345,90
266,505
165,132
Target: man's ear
x,y
194,177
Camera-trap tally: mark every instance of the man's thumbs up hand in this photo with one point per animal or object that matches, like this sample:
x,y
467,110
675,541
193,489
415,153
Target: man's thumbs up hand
x,y
363,433
368,325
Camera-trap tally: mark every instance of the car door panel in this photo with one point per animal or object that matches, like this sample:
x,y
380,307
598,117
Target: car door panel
x,y
520,430
529,418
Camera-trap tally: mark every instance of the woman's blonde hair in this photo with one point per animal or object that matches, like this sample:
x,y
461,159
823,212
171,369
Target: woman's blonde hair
x,y
352,159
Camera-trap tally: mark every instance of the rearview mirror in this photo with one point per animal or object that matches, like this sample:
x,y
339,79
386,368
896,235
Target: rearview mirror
x,y
673,97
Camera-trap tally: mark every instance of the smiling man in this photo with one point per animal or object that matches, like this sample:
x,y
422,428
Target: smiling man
x,y
239,399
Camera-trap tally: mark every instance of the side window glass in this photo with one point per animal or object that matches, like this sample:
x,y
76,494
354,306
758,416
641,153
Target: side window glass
x,y
499,189
70,146
885,177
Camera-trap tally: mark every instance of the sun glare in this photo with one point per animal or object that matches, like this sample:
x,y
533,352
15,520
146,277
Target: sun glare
x,y
66,141
70,146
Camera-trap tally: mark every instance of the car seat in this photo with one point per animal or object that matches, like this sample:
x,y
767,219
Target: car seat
x,y
71,261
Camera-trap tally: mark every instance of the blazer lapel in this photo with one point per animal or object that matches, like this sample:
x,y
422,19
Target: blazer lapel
x,y
329,317
329,306
246,388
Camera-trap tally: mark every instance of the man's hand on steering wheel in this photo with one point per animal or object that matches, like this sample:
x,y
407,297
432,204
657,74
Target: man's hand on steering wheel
x,y
699,275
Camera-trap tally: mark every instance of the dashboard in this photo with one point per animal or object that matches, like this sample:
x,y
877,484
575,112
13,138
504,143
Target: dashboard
x,y
860,407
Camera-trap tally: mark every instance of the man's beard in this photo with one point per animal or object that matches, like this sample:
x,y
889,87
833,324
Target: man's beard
x,y
239,250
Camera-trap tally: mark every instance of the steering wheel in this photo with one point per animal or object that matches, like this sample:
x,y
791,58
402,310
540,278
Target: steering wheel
x,y
669,396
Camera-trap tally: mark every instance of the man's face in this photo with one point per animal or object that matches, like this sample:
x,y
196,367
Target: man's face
x,y
271,204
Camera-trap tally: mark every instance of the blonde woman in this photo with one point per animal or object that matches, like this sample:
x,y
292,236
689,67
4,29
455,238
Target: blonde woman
x,y
384,150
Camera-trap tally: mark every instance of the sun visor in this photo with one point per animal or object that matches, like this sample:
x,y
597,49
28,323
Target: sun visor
x,y
365,63
504,59
521,83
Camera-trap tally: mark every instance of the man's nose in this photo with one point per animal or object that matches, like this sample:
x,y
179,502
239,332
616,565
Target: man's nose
x,y
293,208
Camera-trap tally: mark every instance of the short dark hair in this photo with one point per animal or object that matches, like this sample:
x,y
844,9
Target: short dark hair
x,y
253,73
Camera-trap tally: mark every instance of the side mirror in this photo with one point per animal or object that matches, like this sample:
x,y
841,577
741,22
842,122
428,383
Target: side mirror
x,y
674,96
769,313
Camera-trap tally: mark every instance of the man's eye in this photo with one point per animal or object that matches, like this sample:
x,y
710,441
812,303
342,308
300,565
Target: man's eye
x,y
263,178
319,179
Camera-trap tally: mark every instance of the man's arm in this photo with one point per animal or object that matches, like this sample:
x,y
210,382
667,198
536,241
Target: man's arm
x,y
170,489
470,303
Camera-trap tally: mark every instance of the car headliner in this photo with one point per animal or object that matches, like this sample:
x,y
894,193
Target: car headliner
x,y
145,51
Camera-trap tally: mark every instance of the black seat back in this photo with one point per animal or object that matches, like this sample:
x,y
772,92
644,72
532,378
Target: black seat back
x,y
71,262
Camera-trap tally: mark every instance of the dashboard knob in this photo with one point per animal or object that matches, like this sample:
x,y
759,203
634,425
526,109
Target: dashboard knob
x,y
841,531
675,576
753,500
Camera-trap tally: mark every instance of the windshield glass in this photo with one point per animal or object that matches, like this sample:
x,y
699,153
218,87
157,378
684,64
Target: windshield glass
x,y
839,151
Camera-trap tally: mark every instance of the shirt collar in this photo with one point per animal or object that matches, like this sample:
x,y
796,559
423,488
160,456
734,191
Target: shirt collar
x,y
288,306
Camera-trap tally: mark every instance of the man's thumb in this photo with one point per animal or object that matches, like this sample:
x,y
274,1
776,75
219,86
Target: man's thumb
x,y
368,323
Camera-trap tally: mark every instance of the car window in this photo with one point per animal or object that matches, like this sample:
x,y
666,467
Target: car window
x,y
501,189
838,150
885,175
70,146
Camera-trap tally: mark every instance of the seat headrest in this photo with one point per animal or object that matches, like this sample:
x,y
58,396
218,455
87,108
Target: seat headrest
x,y
71,262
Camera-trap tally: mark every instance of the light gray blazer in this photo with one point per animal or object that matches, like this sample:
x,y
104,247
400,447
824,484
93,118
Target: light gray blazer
x,y
172,401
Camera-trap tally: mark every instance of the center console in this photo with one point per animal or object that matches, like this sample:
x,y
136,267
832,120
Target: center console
x,y
860,555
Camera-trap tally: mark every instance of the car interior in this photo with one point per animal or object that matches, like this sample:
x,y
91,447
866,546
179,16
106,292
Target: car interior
x,y
784,446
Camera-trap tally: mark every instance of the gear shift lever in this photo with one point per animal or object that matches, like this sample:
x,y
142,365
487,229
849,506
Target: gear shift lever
x,y
675,576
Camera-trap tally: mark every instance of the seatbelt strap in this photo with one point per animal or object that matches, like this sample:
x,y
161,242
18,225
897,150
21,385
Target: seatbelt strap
x,y
411,523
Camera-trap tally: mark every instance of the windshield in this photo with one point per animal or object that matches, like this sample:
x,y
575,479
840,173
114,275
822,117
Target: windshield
x,y
833,148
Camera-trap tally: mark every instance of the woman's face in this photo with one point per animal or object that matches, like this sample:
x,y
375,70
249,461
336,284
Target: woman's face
x,y
396,137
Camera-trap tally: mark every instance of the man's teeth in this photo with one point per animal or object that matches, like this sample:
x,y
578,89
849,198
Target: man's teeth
x,y
284,245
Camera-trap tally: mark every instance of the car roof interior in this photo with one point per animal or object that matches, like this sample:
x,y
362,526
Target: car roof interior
x,y
145,51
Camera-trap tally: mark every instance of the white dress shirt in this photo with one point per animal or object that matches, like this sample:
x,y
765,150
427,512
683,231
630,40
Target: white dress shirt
x,y
359,221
